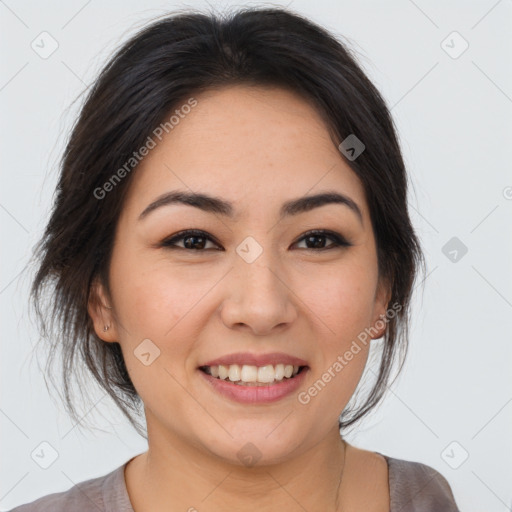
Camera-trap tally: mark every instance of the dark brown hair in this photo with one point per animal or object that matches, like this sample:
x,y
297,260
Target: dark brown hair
x,y
170,60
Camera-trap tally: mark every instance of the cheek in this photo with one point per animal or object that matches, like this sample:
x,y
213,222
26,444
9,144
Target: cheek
x,y
165,305
343,300
160,301
156,304
151,297
344,305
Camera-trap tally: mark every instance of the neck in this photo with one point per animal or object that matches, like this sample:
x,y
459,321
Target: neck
x,y
175,474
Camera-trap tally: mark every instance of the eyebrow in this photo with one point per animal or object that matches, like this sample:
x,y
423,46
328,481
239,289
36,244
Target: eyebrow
x,y
211,204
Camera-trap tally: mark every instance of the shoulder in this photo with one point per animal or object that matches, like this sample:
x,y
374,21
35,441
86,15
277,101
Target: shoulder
x,y
416,486
105,493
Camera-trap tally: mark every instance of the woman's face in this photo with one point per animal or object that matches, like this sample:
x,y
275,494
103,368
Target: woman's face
x,y
258,285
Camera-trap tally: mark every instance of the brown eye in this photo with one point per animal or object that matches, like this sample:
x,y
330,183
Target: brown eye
x,y
316,240
194,240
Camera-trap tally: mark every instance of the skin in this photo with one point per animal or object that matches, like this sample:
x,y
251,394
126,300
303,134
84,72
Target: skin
x,y
256,147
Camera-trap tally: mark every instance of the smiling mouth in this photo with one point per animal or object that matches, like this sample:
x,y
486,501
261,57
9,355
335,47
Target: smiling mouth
x,y
249,375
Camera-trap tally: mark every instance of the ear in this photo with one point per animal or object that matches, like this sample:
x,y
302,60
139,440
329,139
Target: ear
x,y
381,304
101,313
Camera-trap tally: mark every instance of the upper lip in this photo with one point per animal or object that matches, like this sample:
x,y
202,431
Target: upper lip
x,y
247,358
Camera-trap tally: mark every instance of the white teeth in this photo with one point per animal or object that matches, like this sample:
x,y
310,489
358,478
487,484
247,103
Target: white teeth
x,y
223,371
234,373
253,374
249,373
266,373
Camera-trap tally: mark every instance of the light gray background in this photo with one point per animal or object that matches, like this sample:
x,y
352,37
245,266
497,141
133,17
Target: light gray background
x,y
454,116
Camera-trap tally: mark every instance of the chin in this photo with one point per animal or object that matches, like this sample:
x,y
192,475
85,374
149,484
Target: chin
x,y
255,441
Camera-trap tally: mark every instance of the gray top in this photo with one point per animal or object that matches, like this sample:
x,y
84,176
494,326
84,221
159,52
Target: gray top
x,y
413,487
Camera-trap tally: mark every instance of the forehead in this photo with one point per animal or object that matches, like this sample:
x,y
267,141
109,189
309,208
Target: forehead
x,y
248,145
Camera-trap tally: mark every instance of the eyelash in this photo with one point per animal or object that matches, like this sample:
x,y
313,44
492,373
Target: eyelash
x,y
338,240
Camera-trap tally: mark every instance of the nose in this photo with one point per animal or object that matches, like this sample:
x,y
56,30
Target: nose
x,y
257,296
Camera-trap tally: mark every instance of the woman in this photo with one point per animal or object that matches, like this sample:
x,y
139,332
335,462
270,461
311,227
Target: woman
x,y
229,238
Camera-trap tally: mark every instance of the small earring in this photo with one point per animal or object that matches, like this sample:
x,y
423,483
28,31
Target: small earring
x,y
106,328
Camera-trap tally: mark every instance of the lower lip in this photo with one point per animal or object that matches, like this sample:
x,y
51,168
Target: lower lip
x,y
256,394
